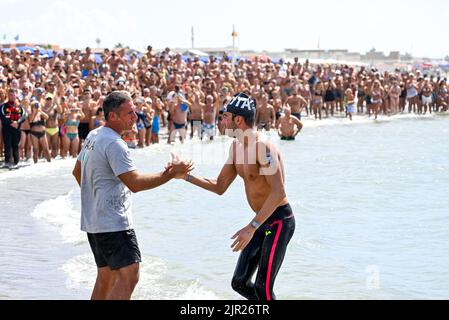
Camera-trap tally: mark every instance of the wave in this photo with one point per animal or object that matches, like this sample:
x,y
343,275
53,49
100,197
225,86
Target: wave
x,y
61,212
40,169
155,283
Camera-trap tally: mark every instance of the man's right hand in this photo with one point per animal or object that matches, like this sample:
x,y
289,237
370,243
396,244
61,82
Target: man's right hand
x,y
177,168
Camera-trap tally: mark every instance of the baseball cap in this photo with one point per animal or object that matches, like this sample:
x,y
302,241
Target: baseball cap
x,y
48,96
242,105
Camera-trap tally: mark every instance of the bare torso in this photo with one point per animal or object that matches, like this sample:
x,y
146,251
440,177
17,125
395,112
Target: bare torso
x,y
257,188
287,126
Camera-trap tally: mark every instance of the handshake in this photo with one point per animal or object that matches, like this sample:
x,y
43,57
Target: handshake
x,y
178,168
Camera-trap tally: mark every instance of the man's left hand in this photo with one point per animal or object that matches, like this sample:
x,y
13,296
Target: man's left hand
x,y
242,238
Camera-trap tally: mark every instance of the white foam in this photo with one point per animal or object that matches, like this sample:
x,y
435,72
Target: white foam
x,y
196,292
310,122
81,272
60,212
155,282
40,169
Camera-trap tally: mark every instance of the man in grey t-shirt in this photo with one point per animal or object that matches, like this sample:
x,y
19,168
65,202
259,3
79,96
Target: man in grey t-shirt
x,y
107,176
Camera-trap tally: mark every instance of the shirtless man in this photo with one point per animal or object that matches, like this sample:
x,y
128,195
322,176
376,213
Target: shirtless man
x,y
426,92
88,108
196,114
288,126
263,241
88,64
180,108
157,104
277,104
113,61
223,99
296,103
265,115
208,126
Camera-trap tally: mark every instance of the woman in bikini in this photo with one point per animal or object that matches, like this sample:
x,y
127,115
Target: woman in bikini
x,y
98,120
394,95
39,141
376,94
317,99
25,139
71,138
141,122
52,128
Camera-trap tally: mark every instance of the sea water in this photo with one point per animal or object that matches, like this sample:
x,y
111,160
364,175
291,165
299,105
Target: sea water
x,y
371,201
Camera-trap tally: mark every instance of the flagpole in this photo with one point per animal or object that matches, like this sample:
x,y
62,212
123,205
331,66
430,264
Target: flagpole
x,y
234,35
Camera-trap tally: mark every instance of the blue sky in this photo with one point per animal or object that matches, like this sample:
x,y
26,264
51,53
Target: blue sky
x,y
419,27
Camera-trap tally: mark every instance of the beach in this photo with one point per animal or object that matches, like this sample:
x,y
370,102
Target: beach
x,y
369,199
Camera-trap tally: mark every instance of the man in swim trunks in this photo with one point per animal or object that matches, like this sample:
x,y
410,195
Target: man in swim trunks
x,y
181,106
296,103
265,115
288,125
107,176
263,241
208,127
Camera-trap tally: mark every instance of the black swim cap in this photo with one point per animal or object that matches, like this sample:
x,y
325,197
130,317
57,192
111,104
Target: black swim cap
x,y
242,105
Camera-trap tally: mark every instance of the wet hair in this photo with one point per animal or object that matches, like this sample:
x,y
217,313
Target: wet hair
x,y
113,101
249,119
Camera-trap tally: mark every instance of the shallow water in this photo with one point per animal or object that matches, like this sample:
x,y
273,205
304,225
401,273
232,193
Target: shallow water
x,y
370,200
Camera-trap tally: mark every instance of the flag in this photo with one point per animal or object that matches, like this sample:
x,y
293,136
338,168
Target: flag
x,y
4,37
16,38
234,34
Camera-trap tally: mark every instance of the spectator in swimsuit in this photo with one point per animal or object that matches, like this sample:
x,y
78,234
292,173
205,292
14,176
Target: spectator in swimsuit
x,y
288,126
71,138
317,99
98,120
25,145
39,141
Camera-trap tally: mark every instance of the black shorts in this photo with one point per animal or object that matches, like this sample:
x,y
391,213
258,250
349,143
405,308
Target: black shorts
x,y
114,249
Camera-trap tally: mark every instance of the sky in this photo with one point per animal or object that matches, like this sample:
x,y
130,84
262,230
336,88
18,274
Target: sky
x,y
417,27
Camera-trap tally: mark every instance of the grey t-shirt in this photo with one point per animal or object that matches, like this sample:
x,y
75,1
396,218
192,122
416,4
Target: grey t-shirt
x,y
105,200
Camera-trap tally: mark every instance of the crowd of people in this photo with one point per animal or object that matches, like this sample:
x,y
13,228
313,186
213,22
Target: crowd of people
x,y
49,104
